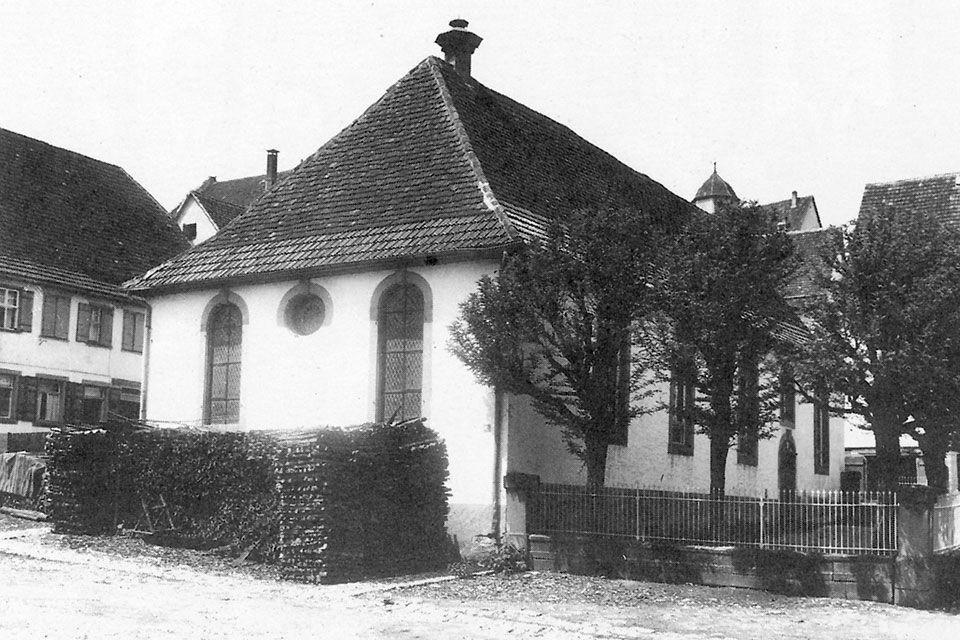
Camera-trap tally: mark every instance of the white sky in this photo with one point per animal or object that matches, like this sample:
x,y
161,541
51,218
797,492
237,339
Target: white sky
x,y
821,97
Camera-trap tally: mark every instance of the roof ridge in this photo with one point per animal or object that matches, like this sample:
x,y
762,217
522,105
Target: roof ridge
x,y
954,174
483,184
202,196
70,151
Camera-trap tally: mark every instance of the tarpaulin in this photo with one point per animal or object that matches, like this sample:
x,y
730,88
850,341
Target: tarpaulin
x,y
21,474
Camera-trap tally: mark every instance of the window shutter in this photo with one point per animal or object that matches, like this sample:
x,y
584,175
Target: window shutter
x,y
48,324
27,399
83,322
113,403
127,339
26,311
138,331
73,392
106,326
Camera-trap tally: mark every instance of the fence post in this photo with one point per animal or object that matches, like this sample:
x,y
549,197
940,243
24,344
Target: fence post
x,y
762,500
636,513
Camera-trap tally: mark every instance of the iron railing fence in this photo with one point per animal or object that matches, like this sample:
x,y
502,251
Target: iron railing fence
x,y
818,521
945,523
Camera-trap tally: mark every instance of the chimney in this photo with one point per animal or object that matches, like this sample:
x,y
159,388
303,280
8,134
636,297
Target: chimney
x,y
793,200
271,168
458,46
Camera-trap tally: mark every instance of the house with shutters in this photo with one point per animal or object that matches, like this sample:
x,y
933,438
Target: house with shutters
x,y
71,339
328,301
212,205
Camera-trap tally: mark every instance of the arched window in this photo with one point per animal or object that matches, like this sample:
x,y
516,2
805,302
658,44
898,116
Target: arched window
x,y
224,335
400,352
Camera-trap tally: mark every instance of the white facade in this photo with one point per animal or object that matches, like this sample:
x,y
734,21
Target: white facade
x,y
193,213
646,462
329,378
32,355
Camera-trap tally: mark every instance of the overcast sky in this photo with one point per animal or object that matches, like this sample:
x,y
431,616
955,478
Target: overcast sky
x,y
820,97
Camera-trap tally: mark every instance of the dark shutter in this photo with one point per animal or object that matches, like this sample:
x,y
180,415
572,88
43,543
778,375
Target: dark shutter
x,y
27,399
113,402
138,331
63,317
72,405
129,323
106,326
83,322
48,324
26,311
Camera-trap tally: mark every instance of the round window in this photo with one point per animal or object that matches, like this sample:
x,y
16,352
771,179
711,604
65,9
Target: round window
x,y
304,313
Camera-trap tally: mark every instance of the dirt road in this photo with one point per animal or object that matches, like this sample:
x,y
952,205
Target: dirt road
x,y
48,591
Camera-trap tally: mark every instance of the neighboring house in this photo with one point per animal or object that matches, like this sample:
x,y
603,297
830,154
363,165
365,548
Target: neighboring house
x,y
212,205
939,194
329,300
71,340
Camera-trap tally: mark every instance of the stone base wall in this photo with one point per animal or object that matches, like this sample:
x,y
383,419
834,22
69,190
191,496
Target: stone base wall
x,y
853,577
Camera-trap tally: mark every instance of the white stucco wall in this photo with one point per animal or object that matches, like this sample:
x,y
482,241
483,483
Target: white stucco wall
x,y
328,377
537,448
30,354
192,213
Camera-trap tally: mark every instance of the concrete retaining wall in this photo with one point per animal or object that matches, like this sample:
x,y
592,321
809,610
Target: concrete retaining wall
x,y
854,577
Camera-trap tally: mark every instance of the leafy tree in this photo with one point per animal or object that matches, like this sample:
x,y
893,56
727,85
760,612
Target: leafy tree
x,y
554,324
886,339
721,294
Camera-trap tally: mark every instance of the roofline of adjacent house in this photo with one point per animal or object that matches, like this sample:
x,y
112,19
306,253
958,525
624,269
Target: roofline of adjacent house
x,y
91,292
380,264
949,174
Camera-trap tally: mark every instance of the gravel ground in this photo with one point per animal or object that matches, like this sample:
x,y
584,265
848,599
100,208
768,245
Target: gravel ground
x,y
91,587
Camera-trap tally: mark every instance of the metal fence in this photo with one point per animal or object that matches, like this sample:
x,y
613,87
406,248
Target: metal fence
x,y
945,523
821,521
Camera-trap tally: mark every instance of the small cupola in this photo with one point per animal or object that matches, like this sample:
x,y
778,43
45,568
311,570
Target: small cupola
x,y
714,191
458,45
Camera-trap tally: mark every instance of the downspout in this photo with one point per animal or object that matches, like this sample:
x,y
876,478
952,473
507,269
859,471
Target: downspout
x,y
498,449
145,371
497,461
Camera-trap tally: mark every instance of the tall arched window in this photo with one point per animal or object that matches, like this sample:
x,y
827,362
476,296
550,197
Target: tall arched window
x,y
224,336
400,353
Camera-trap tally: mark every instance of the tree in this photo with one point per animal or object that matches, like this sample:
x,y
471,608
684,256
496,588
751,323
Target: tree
x,y
721,295
885,338
554,324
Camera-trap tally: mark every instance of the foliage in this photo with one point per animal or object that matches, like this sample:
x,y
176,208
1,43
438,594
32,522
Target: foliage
x,y
886,336
721,298
554,324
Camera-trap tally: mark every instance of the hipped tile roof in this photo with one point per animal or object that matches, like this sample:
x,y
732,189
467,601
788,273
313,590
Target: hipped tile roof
x,y
64,210
220,211
240,192
439,165
939,195
12,268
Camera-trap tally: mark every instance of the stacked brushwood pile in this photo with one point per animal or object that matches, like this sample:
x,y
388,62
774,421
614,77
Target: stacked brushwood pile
x,y
82,480
365,501
327,504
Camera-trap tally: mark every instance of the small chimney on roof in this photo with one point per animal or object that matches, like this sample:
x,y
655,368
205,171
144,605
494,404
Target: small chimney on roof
x,y
458,45
793,200
271,168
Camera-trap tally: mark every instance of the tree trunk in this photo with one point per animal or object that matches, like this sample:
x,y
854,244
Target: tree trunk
x,y
595,458
934,452
718,466
886,433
